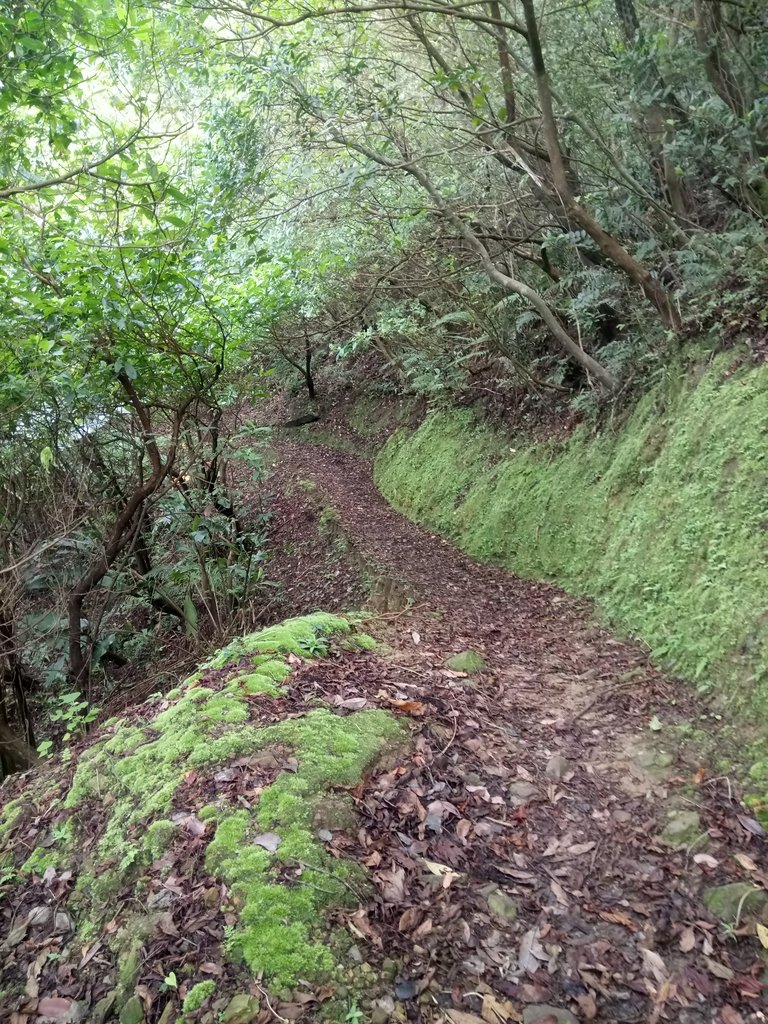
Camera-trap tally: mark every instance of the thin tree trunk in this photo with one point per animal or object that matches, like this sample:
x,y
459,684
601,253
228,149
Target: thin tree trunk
x,y
660,116
606,243
119,536
709,39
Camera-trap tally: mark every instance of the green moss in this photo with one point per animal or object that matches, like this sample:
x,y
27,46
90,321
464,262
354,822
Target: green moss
x,y
358,642
277,929
38,862
197,996
137,769
126,739
10,816
160,836
128,946
287,638
129,778
662,519
466,661
254,682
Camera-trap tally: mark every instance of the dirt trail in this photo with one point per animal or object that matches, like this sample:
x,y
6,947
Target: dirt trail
x,y
577,837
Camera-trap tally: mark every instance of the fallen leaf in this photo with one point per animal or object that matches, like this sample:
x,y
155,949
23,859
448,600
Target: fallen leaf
x,y
531,952
762,934
496,1012
618,918
461,1017
194,826
268,841
166,924
719,970
442,870
463,828
416,636
730,1016
654,964
360,926
751,825
392,884
588,1006
409,919
579,848
705,860
89,952
15,935
408,707
559,893
745,861
687,940
290,1011
353,703
655,724
55,1007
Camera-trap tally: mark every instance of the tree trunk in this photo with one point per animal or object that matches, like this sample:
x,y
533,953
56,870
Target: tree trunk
x,y
637,272
17,736
660,115
120,535
709,39
308,367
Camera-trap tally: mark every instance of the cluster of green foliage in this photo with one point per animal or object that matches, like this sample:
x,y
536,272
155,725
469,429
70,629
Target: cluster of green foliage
x,y
662,518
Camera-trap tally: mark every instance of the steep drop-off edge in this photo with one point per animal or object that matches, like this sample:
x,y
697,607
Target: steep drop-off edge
x,y
220,799
662,519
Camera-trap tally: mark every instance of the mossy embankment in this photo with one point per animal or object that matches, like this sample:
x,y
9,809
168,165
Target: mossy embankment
x,y
232,765
663,518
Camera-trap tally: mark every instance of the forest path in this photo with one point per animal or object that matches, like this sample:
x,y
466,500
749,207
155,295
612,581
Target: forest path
x,y
578,836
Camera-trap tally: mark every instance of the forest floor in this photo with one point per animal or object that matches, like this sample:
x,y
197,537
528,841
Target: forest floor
x,y
574,837
550,845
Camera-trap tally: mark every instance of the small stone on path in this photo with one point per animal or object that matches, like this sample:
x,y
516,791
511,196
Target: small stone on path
x,y
522,792
683,829
132,1012
736,900
556,768
501,905
543,1014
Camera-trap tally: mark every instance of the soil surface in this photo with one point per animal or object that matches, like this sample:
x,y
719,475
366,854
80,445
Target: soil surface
x,y
571,833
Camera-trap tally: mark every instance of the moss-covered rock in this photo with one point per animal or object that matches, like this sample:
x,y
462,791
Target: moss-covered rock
x,y
736,901
466,661
683,830
129,795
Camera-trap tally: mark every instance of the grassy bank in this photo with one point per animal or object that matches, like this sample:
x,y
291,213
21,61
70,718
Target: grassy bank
x,y
663,519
